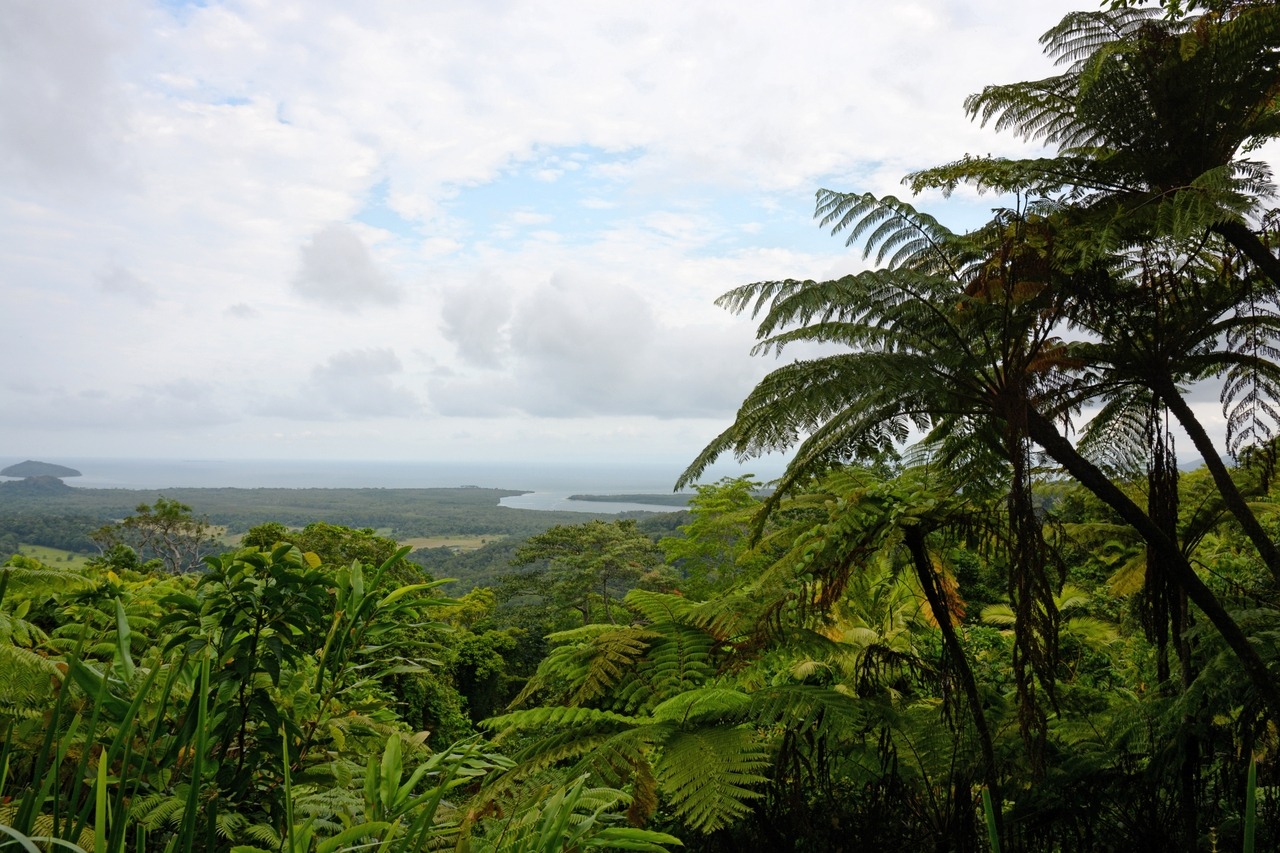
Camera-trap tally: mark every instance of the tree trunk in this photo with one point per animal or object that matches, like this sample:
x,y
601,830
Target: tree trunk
x,y
933,594
1231,496
1046,434
1239,235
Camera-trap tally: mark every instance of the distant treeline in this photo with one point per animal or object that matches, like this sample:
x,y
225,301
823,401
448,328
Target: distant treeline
x,y
486,565
406,513
66,518
68,532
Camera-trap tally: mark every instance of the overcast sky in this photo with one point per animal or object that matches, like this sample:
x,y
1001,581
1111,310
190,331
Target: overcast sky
x,y
443,230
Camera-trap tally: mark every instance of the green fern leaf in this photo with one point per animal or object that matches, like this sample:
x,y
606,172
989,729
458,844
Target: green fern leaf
x,y
709,775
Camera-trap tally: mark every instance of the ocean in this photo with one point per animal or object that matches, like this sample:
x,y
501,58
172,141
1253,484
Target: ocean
x,y
548,485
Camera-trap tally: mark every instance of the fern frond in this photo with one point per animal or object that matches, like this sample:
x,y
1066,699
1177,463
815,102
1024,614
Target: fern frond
x,y
1080,35
612,752
915,239
587,665
28,680
623,757
1000,175
679,661
827,713
709,775
537,718
1116,437
19,632
27,581
702,705
658,607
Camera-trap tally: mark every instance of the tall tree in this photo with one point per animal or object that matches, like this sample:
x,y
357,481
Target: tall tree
x,y
956,338
589,567
166,530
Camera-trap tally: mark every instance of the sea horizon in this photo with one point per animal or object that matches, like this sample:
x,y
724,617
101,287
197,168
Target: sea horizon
x,y
548,485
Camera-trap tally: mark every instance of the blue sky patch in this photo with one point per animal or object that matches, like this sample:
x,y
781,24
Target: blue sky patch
x,y
378,214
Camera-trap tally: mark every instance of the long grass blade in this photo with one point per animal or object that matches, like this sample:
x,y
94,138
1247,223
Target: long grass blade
x,y
100,807
187,835
6,748
78,813
288,792
1251,805
18,838
993,831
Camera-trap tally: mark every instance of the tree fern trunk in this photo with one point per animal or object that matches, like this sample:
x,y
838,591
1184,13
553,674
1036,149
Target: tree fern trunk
x,y
1044,433
1231,496
1160,592
1239,235
933,594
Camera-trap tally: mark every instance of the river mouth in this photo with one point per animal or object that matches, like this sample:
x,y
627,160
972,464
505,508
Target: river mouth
x,y
559,501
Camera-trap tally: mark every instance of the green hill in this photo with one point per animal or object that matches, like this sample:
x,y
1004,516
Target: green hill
x,y
31,468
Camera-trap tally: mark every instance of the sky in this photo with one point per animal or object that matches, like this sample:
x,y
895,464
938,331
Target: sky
x,y
427,230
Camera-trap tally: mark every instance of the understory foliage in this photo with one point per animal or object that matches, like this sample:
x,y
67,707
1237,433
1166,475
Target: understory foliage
x,y
262,704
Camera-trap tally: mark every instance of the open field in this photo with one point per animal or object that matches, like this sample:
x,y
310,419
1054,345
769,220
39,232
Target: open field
x,y
52,556
457,543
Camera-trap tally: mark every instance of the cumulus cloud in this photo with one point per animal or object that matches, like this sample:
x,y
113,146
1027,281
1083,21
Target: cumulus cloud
x,y
475,318
337,269
583,348
351,384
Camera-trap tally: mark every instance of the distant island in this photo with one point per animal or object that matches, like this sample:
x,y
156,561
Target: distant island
x,y
31,468
656,500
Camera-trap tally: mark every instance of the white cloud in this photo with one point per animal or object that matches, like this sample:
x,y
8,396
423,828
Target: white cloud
x,y
352,384
337,269
62,108
578,347
475,318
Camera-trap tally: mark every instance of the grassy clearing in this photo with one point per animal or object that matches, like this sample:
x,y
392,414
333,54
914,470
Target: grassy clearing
x,y
457,543
52,556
